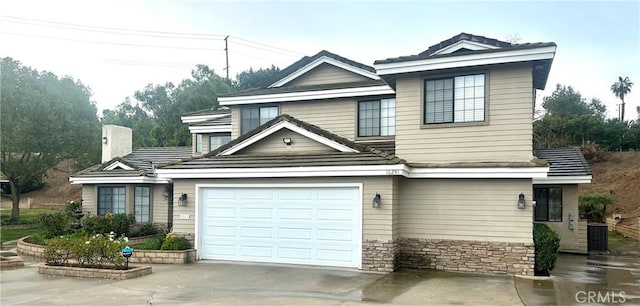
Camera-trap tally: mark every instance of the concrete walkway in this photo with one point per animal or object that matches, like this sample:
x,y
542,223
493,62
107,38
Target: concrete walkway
x,y
244,284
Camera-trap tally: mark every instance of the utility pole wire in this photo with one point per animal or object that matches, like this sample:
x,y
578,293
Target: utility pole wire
x,y
261,44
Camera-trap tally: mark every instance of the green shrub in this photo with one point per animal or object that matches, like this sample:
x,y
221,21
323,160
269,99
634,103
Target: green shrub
x,y
39,238
54,224
72,207
152,244
87,251
119,224
546,243
148,229
175,243
593,206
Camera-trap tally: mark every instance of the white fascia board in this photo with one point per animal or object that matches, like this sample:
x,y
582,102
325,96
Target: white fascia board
x,y
118,180
309,95
195,119
584,179
4,181
464,44
210,129
117,165
515,172
469,60
288,125
320,61
374,170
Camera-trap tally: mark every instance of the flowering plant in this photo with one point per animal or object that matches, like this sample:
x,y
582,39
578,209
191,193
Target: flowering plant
x,y
86,250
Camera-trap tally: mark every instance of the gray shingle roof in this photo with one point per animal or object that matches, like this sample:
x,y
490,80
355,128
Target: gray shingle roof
x,y
290,89
142,160
204,112
565,161
226,120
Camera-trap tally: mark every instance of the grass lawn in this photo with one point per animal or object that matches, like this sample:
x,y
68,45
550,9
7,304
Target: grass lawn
x,y
27,216
15,234
621,245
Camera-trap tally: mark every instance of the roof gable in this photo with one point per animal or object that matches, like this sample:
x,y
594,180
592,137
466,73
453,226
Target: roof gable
x,y
465,42
306,64
286,141
118,165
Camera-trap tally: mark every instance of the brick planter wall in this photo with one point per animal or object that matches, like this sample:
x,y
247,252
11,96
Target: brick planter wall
x,y
94,273
379,255
29,249
11,262
467,256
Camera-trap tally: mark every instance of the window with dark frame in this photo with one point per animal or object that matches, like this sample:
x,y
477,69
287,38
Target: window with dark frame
x,y
142,203
111,199
377,117
454,100
198,143
548,204
218,140
253,117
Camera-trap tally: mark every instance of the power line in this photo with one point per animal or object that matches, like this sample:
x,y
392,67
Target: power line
x,y
111,43
111,28
265,49
268,46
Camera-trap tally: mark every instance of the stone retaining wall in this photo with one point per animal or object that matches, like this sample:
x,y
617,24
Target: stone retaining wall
x,y
467,256
11,262
94,273
379,255
29,249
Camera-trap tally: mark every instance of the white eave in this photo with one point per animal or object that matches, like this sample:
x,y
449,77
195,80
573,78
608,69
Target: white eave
x,y
566,179
210,129
320,61
117,165
201,118
466,60
118,180
309,95
464,44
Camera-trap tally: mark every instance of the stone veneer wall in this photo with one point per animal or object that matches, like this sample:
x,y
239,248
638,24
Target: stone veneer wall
x,y
379,255
467,256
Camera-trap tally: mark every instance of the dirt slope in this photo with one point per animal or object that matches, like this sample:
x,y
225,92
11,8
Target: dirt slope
x,y
57,191
619,177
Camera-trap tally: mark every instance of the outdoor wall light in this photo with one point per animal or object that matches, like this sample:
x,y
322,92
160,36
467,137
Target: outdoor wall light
x,y
104,139
521,202
182,200
376,201
287,141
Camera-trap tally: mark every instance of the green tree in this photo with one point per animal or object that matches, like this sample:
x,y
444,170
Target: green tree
x,y
44,120
621,88
251,79
134,117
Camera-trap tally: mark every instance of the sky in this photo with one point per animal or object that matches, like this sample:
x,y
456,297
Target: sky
x,y
117,47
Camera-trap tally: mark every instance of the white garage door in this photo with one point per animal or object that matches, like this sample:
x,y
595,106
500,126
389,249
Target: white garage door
x,y
310,225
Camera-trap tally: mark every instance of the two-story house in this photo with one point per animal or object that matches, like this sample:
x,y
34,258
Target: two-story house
x,y
425,161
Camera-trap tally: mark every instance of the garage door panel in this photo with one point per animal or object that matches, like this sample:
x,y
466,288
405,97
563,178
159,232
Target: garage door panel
x,y
317,226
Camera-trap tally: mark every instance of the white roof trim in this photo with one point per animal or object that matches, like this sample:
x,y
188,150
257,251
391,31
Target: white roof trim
x,y
309,95
118,180
371,170
320,61
210,129
290,126
467,60
116,165
201,118
565,179
464,44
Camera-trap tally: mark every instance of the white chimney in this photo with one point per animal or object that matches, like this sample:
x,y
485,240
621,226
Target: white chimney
x,y
116,141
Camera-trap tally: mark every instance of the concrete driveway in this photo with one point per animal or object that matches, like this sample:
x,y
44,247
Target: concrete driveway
x,y
580,280
229,283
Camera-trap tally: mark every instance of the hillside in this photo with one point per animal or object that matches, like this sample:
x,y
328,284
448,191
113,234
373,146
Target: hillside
x,y
619,177
57,191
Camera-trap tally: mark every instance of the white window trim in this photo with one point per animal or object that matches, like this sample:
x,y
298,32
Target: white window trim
x,y
453,101
200,187
309,95
195,147
320,61
464,44
290,126
117,165
467,60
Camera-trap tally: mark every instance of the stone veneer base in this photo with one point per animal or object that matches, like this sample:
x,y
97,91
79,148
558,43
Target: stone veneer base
x,y
467,256
379,255
94,273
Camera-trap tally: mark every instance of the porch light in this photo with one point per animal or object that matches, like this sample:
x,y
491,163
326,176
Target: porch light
x,y
521,202
376,201
104,139
182,200
287,141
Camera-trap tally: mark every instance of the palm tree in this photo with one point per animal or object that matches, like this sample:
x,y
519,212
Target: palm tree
x,y
621,88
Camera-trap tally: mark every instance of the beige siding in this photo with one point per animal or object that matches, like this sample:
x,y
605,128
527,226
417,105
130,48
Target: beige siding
x,y
327,74
235,122
569,239
159,204
465,209
274,144
90,199
336,116
377,223
506,137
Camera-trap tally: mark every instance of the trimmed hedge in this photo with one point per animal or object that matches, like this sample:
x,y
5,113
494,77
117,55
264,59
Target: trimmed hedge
x,y
547,243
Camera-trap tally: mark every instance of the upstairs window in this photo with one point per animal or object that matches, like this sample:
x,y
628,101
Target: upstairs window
x,y
218,140
377,118
111,199
253,117
548,204
455,99
198,143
